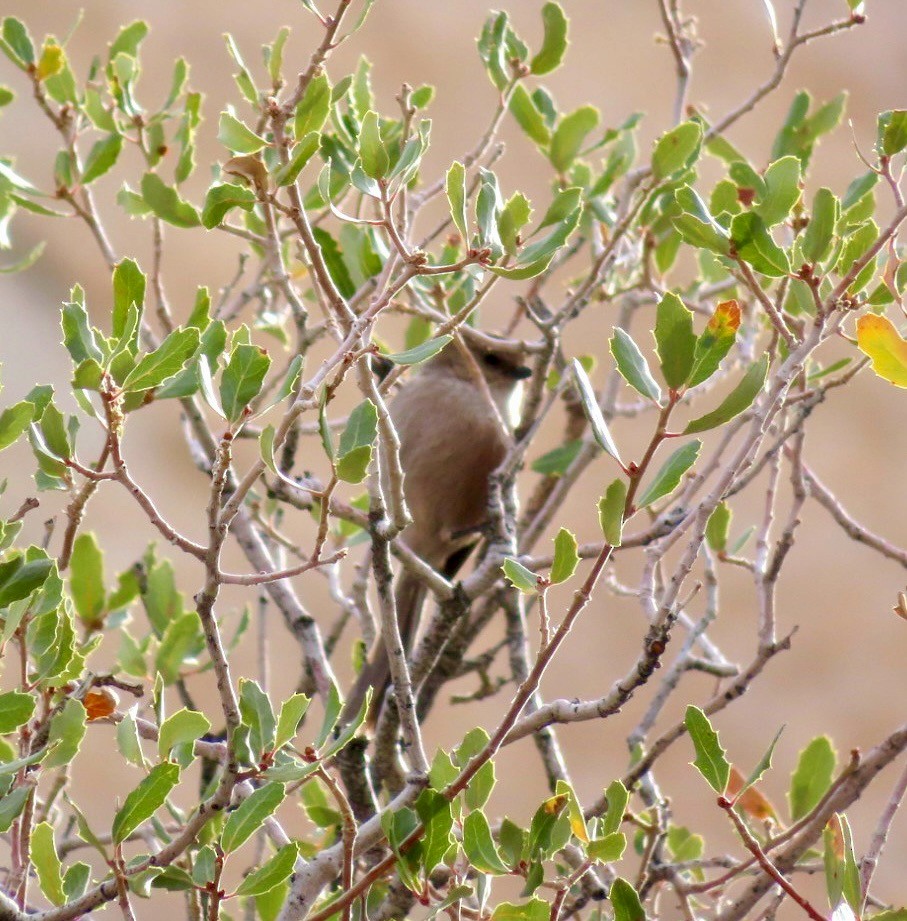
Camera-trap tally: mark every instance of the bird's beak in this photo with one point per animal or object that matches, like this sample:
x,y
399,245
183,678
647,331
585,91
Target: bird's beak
x,y
520,372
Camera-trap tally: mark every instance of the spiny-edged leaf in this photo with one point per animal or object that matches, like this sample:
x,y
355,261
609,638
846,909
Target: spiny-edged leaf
x,y
554,42
566,559
291,713
258,715
617,796
593,412
16,708
668,477
302,153
314,107
222,198
607,849
523,579
375,160
878,338
753,244
569,135
782,190
128,741
535,258
164,362
14,420
892,132
715,342
86,578
528,117
696,225
716,530
102,156
816,243
145,799
128,39
17,39
333,256
533,910
67,729
248,816
236,136
675,339
455,185
812,777
183,726
676,149
19,577
353,466
166,203
332,707
421,352
710,759
47,863
556,462
242,379
633,366
512,219
762,765
611,512
128,291
361,428
625,902
738,400
270,874
479,847
12,805
435,813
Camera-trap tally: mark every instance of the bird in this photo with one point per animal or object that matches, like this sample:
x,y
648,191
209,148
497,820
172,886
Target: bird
x,y
454,419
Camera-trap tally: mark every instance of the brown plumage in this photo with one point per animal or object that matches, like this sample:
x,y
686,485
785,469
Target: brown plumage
x,y
451,439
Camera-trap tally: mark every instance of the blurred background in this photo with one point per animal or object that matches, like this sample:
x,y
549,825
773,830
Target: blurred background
x,y
845,672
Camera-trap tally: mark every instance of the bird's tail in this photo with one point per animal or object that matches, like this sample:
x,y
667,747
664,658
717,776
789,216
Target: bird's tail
x,y
409,597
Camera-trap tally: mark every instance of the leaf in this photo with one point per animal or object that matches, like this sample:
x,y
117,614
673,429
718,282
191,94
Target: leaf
x,y
566,559
86,579
696,225
677,149
715,342
716,529
242,379
145,799
183,726
522,579
488,207
14,420
12,805
101,158
569,135
128,40
166,203
478,845
607,849
47,863
753,244
812,777
892,132
675,340
762,765
528,117
128,291
291,713
164,362
435,813
221,199
782,190
455,186
302,153
236,136
128,741
632,366
668,477
19,42
257,714
617,796
611,512
270,874
314,107
816,243
554,42
421,352
67,729
353,466
593,412
16,708
710,759
375,160
512,219
556,462
738,400
625,902
361,428
249,815
878,338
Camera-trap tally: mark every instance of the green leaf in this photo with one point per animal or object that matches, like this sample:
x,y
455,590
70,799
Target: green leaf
x,y
164,362
625,902
513,218
242,379
668,477
715,342
677,149
675,340
762,765
566,559
16,708
523,579
145,799
710,759
222,198
12,805
291,713
361,428
421,352
753,244
128,741
556,462
14,421
18,41
632,365
816,243
183,726
696,225
892,132
569,135
248,817
435,813
128,291
258,715
166,203
236,136
86,579
617,796
334,258
738,400
375,160
455,185
47,863
128,40
609,848
533,910
78,334
716,529
528,117
353,466
554,42
314,107
478,845
812,777
302,153
67,729
611,512
593,412
270,874
101,158
782,190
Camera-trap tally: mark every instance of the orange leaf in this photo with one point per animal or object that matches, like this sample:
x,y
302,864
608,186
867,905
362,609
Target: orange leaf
x,y
752,802
100,702
725,320
878,338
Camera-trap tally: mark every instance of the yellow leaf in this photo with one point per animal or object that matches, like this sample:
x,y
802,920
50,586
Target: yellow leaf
x,y
725,321
878,338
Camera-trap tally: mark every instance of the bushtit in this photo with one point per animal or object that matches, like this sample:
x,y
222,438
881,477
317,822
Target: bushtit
x,y
454,421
